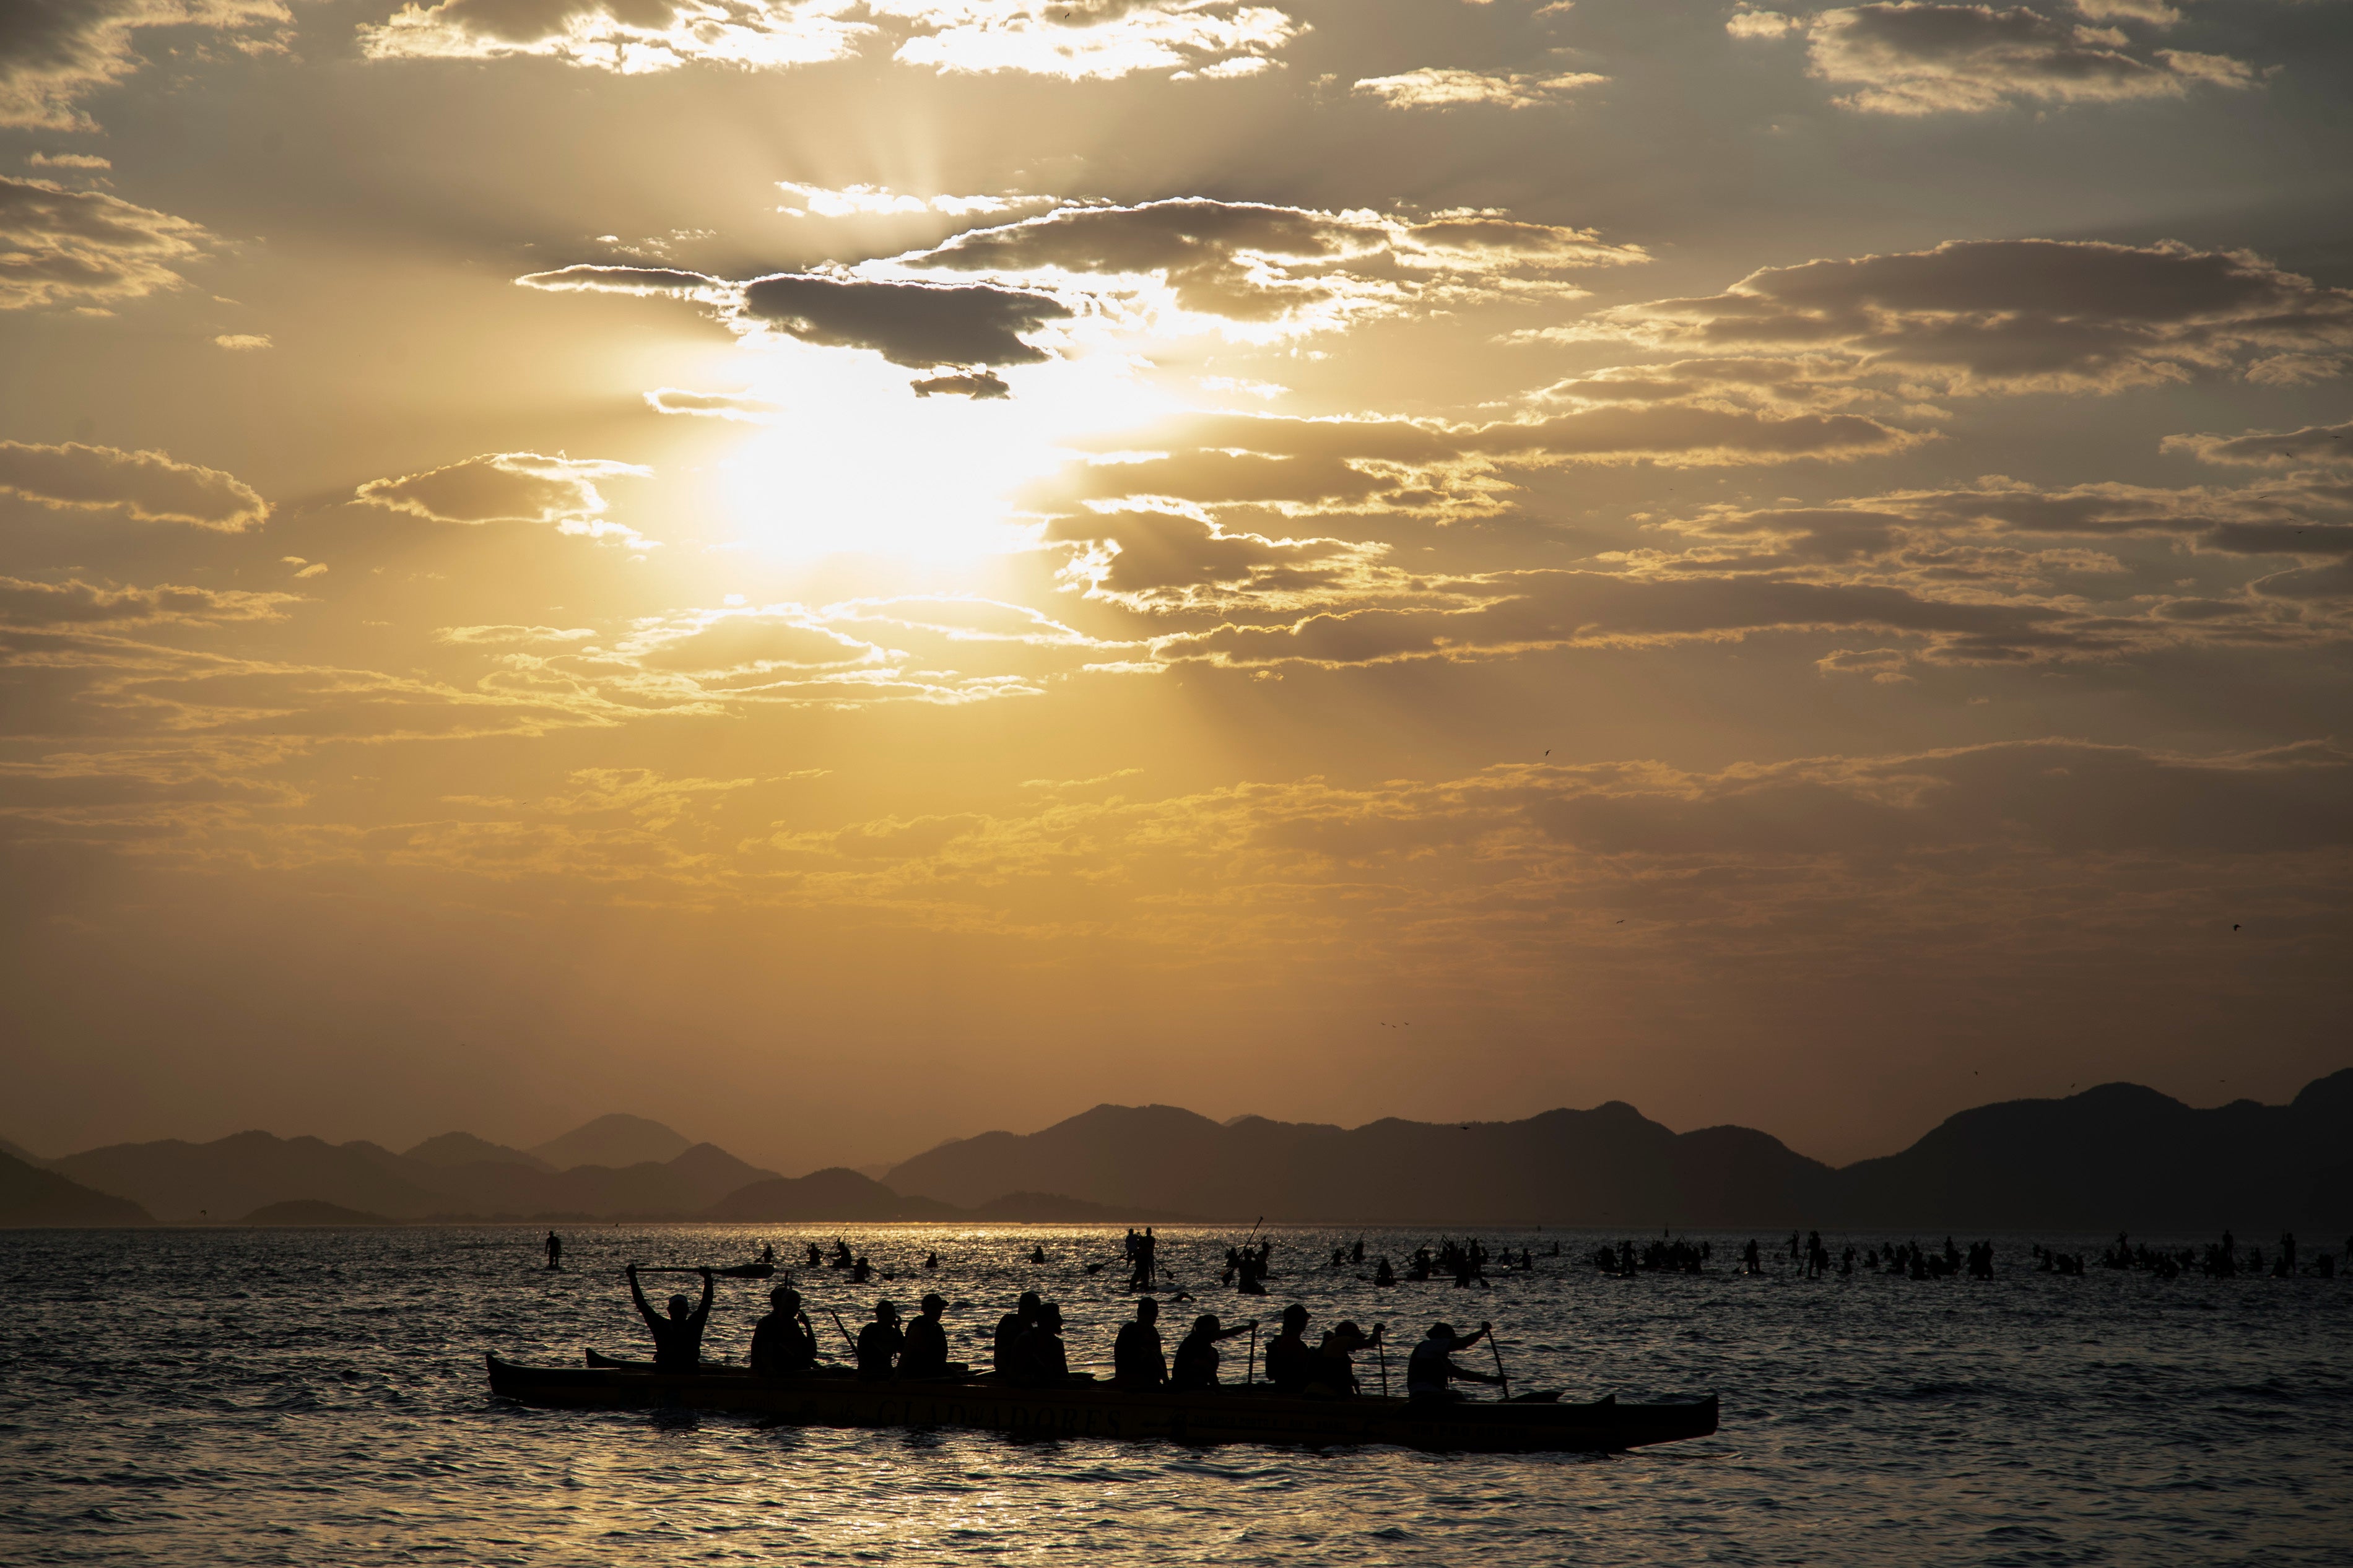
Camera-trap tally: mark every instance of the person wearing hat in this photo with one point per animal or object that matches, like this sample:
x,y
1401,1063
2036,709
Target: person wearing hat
x,y
1289,1360
1431,1368
926,1354
1330,1374
784,1344
1197,1357
880,1342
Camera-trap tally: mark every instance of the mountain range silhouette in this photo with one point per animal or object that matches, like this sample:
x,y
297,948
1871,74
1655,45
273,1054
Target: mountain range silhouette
x,y
2118,1156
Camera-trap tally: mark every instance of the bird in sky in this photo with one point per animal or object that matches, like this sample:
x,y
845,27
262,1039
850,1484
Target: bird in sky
x,y
2234,925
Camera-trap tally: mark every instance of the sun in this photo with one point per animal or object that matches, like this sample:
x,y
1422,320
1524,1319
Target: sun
x,y
853,461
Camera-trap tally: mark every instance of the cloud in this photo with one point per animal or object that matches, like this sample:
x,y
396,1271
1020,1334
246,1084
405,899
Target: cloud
x,y
1302,467
2295,370
2052,848
1912,58
628,36
919,325
240,342
2022,315
513,487
2326,444
973,384
86,250
147,487
1441,87
53,54
1254,262
1167,561
1510,612
881,201
77,603
68,161
511,636
740,406
1082,40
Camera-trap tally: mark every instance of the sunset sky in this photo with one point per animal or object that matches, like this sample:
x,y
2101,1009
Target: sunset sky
x,y
845,573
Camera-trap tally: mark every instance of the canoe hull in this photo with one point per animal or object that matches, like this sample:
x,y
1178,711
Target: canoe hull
x,y
1230,1415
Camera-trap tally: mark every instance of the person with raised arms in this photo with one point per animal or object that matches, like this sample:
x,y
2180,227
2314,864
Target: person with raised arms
x,y
677,1337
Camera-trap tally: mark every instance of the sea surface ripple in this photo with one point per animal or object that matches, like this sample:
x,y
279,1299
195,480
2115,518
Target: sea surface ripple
x,y
235,1396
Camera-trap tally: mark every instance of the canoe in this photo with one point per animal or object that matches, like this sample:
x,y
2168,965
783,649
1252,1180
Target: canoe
x,y
1250,1414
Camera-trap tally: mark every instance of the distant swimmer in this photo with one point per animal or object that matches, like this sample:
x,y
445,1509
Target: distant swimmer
x,y
1037,1255
879,1344
1196,1356
554,1250
1136,1359
784,1343
926,1354
1431,1367
677,1337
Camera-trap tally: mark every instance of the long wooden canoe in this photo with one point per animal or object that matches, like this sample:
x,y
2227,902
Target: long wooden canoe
x,y
1231,1415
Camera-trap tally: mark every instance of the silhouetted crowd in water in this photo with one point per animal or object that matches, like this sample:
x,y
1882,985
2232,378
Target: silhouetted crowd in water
x,y
1027,1348
2221,1259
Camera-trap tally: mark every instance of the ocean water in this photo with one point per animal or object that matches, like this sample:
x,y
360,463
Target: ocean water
x,y
234,1396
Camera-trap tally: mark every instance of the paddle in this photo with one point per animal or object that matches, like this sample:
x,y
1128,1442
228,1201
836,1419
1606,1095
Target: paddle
x,y
739,1271
1380,1345
1250,1371
1499,1363
845,1333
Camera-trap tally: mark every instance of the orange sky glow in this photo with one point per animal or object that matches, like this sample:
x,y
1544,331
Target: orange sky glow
x,y
841,574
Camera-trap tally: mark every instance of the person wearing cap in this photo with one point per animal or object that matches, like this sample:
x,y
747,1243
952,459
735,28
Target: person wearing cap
x,y
1197,1357
1038,1356
926,1354
1009,1328
880,1342
784,1344
1136,1359
1330,1374
1289,1360
1431,1366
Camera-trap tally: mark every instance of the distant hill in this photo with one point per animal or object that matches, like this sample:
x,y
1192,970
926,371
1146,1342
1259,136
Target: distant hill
x,y
465,1148
250,1171
835,1194
233,1176
310,1211
1607,1166
614,1140
20,1154
849,1195
31,1197
2118,1156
